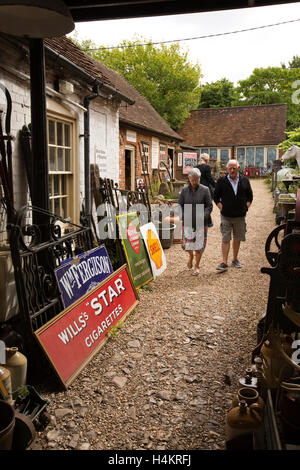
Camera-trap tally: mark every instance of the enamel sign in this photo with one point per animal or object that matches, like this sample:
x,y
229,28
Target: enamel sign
x,y
73,337
134,249
77,276
155,251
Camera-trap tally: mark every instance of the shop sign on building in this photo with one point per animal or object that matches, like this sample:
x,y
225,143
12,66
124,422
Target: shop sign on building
x,y
130,136
73,337
77,276
134,248
190,160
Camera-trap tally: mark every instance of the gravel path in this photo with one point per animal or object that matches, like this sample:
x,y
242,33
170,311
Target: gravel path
x,y
159,384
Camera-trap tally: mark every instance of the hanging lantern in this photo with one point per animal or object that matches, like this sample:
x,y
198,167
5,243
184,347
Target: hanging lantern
x,y
35,18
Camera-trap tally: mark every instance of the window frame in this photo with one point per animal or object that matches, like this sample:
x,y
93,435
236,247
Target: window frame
x,y
72,179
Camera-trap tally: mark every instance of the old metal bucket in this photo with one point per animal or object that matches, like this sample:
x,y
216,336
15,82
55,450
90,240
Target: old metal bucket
x,y
7,424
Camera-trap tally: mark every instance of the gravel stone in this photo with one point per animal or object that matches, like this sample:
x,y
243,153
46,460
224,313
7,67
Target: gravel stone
x,y
175,389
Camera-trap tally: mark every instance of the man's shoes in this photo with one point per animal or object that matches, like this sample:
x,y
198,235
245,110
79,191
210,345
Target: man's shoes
x,y
222,267
236,263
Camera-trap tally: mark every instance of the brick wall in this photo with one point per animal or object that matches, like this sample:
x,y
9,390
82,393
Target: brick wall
x,y
244,125
141,136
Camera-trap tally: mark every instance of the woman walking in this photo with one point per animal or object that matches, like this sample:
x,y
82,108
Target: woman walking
x,y
193,199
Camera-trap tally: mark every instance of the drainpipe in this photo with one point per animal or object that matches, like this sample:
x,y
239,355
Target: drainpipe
x,y
87,177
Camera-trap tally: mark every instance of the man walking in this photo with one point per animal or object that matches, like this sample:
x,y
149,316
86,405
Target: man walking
x,y
233,196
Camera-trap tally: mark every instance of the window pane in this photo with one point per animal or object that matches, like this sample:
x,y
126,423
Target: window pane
x,y
250,156
51,130
63,184
224,155
60,159
56,185
213,153
67,135
271,156
67,160
50,185
59,133
241,156
204,151
52,158
259,157
56,206
64,207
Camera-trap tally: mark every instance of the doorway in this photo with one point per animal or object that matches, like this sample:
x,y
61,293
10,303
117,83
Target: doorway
x,y
130,169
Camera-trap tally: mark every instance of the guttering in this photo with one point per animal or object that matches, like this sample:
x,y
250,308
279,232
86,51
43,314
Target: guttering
x,y
86,76
87,177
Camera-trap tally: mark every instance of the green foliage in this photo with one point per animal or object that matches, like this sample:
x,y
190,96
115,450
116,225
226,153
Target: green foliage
x,y
162,74
115,329
293,64
293,138
273,85
218,94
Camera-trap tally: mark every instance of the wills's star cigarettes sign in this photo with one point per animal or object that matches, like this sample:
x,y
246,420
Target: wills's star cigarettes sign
x,y
74,336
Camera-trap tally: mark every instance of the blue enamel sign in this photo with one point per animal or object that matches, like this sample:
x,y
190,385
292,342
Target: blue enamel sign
x,y
77,276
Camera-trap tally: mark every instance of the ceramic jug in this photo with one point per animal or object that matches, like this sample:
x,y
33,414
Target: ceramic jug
x,y
16,363
250,396
241,424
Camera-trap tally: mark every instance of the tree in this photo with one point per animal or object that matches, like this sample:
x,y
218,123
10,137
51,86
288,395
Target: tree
x,y
293,64
273,85
218,94
162,74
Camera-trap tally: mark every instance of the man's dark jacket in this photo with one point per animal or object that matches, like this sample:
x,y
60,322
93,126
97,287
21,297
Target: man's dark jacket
x,y
206,176
233,205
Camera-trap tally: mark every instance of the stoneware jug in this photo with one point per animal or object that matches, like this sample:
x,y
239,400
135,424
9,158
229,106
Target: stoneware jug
x,y
16,363
250,396
241,424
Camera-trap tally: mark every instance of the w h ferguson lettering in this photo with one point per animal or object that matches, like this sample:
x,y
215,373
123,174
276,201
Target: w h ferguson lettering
x,y
79,274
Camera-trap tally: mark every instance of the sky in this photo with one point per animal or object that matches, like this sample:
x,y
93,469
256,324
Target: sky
x,y
231,56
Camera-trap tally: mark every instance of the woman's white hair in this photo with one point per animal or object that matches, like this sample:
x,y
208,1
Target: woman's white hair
x,y
204,157
194,173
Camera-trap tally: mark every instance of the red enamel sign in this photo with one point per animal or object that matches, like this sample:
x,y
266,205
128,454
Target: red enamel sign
x,y
133,237
74,336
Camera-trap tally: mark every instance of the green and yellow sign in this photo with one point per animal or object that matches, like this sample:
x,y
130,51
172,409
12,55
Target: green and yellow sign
x,y
134,248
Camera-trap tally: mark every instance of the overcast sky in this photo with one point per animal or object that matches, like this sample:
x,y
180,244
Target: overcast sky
x,y
232,56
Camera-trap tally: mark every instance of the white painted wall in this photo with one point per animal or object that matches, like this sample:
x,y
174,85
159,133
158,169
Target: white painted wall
x,y
104,123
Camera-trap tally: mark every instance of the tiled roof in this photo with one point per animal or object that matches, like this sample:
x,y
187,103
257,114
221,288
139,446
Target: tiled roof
x,y
241,125
140,114
70,51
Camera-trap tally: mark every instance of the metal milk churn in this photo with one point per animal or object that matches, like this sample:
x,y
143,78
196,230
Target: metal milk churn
x,y
16,363
5,384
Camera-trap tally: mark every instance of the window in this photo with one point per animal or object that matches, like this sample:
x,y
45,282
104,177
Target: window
x,y
250,156
213,153
162,153
271,156
145,157
60,161
259,157
241,157
224,156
